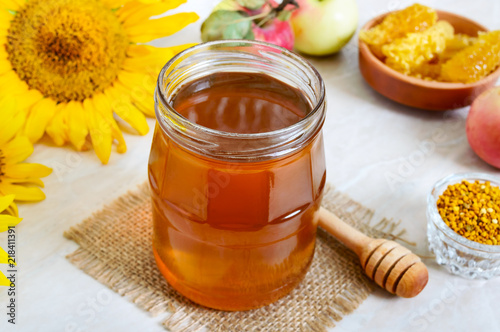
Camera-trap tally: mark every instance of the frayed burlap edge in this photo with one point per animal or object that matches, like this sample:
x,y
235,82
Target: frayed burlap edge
x,y
129,287
183,320
148,299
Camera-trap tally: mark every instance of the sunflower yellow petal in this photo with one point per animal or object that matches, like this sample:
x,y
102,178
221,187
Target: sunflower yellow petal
x,y
5,16
28,99
23,193
101,102
179,48
8,107
114,3
160,27
3,53
4,256
12,85
138,50
135,12
35,181
3,280
5,222
17,150
142,99
40,115
118,135
10,4
145,103
150,59
12,210
5,19
100,131
77,127
5,66
57,128
11,123
127,112
6,201
25,170
150,63
146,50
140,87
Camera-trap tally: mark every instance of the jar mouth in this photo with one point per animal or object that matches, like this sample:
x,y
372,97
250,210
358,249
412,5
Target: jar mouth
x,y
239,56
161,93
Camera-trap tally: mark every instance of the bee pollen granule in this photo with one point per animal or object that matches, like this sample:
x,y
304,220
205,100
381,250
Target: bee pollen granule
x,y
472,210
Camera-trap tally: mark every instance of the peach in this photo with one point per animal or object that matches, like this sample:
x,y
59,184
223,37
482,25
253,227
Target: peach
x,y
483,126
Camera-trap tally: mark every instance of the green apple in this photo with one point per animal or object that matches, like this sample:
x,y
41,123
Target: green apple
x,y
323,27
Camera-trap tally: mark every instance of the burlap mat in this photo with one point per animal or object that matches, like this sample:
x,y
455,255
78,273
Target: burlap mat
x,y
115,249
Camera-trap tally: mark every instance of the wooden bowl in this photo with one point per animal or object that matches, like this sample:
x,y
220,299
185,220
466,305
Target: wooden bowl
x,y
415,92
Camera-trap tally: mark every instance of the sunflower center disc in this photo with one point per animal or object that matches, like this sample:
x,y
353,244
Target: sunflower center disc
x,y
66,49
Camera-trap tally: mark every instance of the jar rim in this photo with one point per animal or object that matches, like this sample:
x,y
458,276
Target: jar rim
x,y
224,134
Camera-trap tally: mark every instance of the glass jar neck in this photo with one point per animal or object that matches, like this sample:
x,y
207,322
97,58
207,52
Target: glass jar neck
x,y
239,56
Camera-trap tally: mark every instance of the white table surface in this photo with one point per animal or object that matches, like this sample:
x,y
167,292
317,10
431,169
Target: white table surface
x,y
368,138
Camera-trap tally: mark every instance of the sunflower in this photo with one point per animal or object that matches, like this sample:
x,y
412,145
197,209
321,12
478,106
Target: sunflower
x,y
76,69
8,213
18,178
7,207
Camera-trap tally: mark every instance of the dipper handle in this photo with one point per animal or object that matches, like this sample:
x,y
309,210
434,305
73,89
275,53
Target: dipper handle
x,y
392,266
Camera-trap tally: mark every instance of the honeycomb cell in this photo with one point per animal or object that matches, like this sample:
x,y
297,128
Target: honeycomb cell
x,y
455,45
418,48
474,62
427,71
397,25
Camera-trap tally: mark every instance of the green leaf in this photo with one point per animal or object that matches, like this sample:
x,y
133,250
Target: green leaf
x,y
284,15
225,24
250,35
252,4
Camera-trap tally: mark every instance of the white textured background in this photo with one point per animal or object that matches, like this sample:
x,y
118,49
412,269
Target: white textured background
x,y
368,138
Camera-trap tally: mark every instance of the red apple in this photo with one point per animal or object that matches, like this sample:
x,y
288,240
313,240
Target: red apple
x,y
263,20
483,126
276,32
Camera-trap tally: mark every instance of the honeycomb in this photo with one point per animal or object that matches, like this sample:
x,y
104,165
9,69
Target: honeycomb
x,y
456,44
397,25
473,62
414,43
419,48
427,71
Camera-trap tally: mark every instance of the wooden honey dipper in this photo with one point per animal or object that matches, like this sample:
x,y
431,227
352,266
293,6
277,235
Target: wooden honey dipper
x,y
389,264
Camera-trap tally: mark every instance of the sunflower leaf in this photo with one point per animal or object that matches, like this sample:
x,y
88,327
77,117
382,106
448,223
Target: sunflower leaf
x,y
252,4
225,24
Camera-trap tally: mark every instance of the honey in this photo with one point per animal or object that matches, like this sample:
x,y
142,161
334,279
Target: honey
x,y
236,231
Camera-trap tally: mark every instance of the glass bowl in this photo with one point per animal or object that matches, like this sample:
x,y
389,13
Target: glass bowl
x,y
458,254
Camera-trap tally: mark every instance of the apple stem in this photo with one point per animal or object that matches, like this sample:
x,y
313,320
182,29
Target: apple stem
x,y
285,3
276,10
251,18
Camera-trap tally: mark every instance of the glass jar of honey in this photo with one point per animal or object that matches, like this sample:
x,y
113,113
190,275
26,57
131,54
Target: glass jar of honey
x,y
237,172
